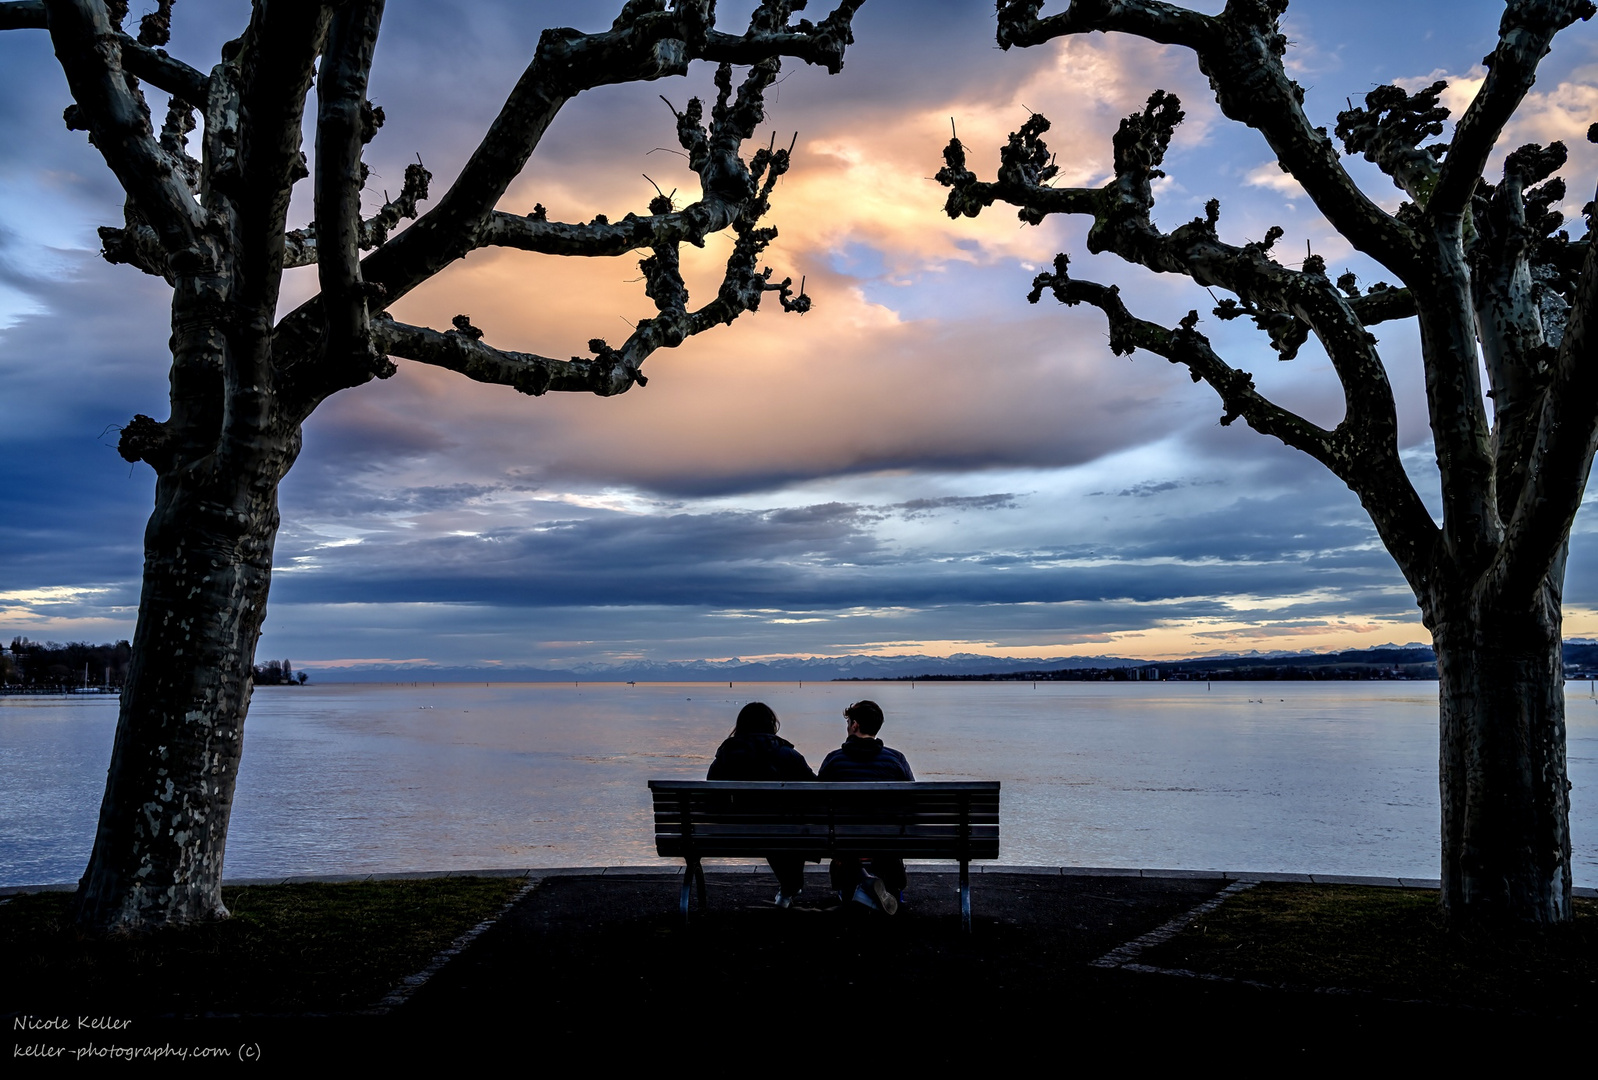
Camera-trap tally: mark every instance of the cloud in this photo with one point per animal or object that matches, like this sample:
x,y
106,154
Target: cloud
x,y
921,508
910,466
1270,175
510,548
768,401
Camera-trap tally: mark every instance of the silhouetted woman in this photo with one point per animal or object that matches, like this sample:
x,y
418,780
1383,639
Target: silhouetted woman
x,y
754,752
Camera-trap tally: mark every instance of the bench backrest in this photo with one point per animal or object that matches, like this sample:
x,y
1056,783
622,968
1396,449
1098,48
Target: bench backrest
x,y
697,819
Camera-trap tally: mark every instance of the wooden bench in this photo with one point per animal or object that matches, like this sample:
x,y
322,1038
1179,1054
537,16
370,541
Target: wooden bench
x,y
721,819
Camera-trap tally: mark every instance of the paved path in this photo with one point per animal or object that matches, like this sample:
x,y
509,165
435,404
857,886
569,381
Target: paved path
x,y
597,962
607,962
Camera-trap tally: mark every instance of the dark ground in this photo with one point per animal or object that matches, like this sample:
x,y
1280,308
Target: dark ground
x,y
590,971
610,964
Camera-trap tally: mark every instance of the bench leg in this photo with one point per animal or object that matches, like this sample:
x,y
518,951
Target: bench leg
x,y
965,895
691,873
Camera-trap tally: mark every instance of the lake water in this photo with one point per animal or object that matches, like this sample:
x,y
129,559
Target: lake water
x,y
1337,778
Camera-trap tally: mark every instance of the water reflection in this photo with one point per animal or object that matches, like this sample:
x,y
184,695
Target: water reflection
x,y
1333,778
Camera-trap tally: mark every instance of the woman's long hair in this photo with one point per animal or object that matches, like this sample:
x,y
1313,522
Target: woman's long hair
x,y
755,718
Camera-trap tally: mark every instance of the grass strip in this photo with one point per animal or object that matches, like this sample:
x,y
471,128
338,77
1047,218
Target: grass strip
x,y
287,949
1394,943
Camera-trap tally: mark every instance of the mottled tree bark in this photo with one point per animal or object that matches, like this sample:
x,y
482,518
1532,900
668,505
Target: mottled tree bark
x,y
158,850
1506,802
242,384
1487,276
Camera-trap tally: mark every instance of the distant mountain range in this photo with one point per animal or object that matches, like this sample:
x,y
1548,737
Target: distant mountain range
x,y
1384,661
1413,661
821,669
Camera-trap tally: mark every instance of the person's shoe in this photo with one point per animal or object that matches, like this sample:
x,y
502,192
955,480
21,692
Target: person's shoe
x,y
886,900
785,899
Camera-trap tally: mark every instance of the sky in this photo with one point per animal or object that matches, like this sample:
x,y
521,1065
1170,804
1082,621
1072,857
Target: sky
x,y
922,464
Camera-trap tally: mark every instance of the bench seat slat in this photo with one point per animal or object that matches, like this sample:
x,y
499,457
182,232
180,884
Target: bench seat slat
x,y
934,787
920,847
892,837
796,808
799,804
951,847
756,820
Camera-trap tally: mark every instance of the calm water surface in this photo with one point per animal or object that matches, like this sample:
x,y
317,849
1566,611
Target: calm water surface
x,y
1318,777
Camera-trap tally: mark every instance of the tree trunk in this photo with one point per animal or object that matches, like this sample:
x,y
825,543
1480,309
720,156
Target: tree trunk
x,y
1506,799
158,850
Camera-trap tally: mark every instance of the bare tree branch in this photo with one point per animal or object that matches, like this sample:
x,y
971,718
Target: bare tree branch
x,y
1560,458
1188,347
1166,23
1285,303
164,72
23,15
136,245
119,124
646,42
345,123
299,246
1372,471
153,65
1389,130
276,62
611,371
602,237
1241,52
770,35
1524,36
462,350
1511,220
1025,169
615,370
1383,305
1288,332
743,284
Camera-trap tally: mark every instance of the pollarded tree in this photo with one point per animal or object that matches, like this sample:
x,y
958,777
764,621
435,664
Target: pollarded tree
x,y
1489,280
243,382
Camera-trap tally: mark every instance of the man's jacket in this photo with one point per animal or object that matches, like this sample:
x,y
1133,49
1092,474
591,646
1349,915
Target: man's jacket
x,y
864,759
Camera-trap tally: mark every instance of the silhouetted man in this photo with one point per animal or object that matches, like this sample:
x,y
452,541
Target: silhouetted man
x,y
873,880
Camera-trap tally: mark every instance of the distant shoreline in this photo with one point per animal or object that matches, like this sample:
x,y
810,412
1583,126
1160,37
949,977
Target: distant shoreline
x,y
1402,663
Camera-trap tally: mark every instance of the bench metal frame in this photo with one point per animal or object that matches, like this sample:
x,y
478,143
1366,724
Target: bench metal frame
x,y
700,819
